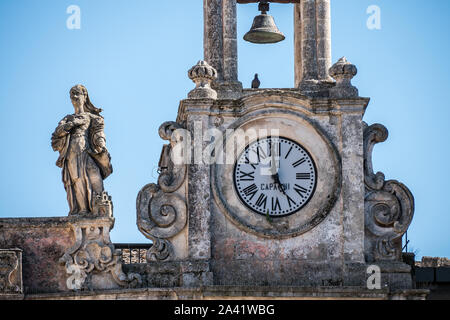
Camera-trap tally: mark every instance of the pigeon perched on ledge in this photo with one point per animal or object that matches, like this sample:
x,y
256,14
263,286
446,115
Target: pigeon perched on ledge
x,y
256,83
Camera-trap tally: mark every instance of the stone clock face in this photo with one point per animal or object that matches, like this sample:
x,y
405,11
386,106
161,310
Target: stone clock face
x,y
275,176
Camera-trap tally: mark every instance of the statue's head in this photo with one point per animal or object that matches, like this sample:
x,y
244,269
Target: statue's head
x,y
80,100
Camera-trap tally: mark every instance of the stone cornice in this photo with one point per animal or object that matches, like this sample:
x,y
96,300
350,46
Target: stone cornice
x,y
254,99
52,222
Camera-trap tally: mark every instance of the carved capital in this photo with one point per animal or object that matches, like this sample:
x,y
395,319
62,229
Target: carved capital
x,y
389,205
93,263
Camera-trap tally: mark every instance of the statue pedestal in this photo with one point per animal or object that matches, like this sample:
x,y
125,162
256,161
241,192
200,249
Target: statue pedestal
x,y
93,263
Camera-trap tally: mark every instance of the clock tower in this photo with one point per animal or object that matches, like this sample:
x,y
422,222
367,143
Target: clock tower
x,y
275,187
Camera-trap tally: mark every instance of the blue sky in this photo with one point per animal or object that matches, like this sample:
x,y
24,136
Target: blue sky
x,y
133,57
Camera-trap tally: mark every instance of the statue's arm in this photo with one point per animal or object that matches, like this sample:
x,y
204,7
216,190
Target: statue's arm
x,y
61,131
63,128
98,138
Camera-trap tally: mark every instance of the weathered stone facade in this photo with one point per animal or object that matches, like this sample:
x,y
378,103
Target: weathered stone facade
x,y
206,243
11,285
43,242
341,231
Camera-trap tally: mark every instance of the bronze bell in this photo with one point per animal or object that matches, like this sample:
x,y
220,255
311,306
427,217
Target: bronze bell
x,y
264,29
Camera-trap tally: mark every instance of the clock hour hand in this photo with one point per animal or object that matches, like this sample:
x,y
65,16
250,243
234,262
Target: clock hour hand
x,y
276,177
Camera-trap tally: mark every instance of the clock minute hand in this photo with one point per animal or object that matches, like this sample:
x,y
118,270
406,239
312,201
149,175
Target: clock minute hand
x,y
276,178
273,166
275,169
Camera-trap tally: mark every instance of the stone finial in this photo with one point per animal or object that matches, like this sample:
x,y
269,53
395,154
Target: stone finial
x,y
343,72
202,74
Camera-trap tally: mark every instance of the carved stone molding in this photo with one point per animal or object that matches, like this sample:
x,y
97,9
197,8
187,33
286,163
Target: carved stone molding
x,y
161,212
389,205
93,263
11,272
160,251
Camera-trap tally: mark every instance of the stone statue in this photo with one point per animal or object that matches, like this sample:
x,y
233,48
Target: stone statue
x,y
84,159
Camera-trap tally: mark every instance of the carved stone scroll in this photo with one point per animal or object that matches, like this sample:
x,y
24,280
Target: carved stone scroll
x,y
93,263
372,135
172,175
10,272
161,211
389,205
162,215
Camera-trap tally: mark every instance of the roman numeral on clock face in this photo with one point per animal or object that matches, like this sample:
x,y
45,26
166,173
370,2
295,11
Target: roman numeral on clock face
x,y
247,176
251,191
300,190
288,153
303,176
290,201
261,154
299,162
247,161
276,204
262,201
275,176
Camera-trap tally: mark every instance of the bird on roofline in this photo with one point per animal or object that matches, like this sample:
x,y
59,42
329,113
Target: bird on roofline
x,y
256,83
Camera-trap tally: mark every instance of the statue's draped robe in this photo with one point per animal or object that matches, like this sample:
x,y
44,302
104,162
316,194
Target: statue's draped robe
x,y
84,160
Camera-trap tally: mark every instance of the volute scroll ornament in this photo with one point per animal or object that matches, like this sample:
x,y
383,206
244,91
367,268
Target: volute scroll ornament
x,y
389,205
160,215
11,271
372,135
161,210
93,262
172,175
